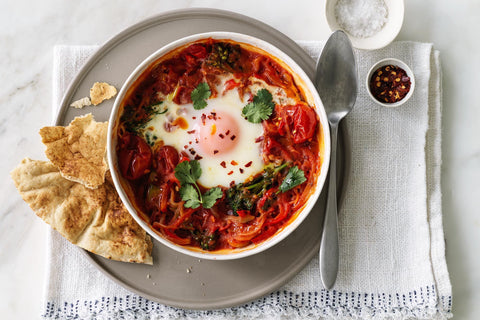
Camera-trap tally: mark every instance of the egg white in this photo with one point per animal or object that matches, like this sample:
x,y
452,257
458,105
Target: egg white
x,y
222,169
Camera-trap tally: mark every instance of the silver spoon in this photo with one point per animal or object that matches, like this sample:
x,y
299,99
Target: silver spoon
x,y
336,82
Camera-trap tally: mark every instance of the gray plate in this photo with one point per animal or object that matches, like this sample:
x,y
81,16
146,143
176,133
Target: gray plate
x,y
176,279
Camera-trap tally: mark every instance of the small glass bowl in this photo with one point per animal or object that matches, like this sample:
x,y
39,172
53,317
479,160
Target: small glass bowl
x,y
398,63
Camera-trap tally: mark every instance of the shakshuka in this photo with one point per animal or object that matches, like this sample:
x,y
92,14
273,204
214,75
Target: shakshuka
x,y
218,145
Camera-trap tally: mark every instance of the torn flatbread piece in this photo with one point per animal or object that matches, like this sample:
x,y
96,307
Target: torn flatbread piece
x,y
78,150
95,220
101,91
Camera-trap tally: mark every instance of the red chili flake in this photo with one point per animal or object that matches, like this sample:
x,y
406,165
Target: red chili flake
x,y
248,164
185,147
233,163
198,157
196,140
221,135
189,142
215,151
227,133
230,173
214,115
232,183
233,137
241,170
259,139
194,118
204,117
389,84
192,151
191,131
223,164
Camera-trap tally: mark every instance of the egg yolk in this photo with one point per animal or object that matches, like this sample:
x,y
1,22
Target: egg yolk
x,y
218,133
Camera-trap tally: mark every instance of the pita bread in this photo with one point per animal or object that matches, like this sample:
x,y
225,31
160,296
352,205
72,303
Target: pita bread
x,y
101,91
78,150
95,220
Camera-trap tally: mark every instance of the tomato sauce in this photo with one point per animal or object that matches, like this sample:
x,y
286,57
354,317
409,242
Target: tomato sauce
x,y
246,213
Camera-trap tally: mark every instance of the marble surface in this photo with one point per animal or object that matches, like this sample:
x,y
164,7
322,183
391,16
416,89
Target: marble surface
x,y
30,29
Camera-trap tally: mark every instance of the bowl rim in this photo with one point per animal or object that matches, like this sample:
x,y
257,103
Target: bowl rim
x,y
399,63
388,33
308,87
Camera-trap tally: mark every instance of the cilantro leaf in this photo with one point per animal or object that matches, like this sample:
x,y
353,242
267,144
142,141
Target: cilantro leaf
x,y
190,195
210,197
199,95
188,171
294,177
196,170
260,108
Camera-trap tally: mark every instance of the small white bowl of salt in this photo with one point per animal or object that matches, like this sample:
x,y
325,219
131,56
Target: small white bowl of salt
x,y
370,24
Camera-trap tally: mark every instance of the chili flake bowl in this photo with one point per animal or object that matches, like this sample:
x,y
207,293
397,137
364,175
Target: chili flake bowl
x,y
125,191
393,62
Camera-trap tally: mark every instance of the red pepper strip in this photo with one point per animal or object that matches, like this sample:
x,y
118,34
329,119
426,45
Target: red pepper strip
x,y
266,233
186,214
284,208
243,213
165,196
173,237
261,203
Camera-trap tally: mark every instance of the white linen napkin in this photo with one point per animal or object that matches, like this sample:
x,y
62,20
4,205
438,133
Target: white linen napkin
x,y
392,252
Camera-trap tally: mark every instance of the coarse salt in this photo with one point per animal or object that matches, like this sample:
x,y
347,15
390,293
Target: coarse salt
x,y
361,18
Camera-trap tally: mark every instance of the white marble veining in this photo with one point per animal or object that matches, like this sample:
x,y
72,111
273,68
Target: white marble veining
x,y
30,29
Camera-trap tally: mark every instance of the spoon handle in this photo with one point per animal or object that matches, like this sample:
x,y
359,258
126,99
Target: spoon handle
x,y
329,242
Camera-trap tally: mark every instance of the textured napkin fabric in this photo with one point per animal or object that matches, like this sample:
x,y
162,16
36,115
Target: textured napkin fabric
x,y
392,252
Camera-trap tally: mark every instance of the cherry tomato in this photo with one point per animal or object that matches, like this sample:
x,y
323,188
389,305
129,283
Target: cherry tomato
x,y
302,122
197,50
166,159
134,156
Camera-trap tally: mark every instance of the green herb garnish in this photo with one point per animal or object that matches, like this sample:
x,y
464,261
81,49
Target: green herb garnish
x,y
199,95
226,57
190,195
205,240
295,177
188,172
211,196
136,119
244,196
260,108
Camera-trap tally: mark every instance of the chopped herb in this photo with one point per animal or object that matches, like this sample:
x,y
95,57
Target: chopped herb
x,y
295,177
245,195
137,118
199,95
225,56
206,241
149,138
260,108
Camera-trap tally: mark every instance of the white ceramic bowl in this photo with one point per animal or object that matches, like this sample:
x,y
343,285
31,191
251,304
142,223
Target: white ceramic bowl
x,y
378,40
395,62
313,98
